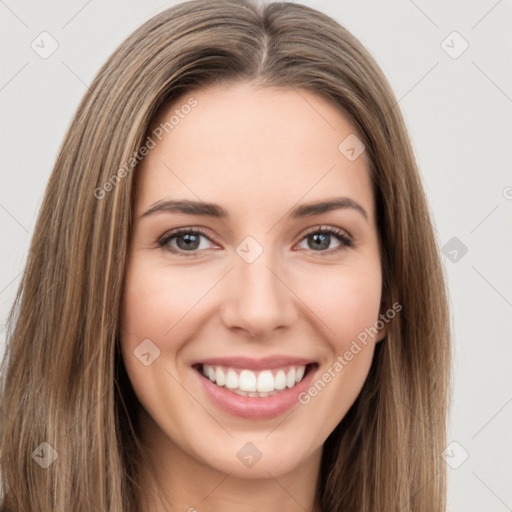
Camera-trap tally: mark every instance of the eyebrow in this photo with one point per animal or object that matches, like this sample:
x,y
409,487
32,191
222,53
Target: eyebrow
x,y
189,207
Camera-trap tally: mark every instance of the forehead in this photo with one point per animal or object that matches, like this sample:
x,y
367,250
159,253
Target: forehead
x,y
253,146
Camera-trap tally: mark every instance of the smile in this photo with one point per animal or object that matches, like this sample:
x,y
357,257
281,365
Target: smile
x,y
255,389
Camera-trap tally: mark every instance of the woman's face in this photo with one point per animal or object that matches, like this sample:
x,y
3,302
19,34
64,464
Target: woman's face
x,y
264,299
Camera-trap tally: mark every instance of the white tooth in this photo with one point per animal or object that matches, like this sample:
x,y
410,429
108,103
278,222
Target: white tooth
x,y
247,381
290,378
265,382
231,379
299,373
280,380
263,395
210,373
252,395
220,378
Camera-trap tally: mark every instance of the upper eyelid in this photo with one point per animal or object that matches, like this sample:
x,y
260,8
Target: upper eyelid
x,y
326,227
185,230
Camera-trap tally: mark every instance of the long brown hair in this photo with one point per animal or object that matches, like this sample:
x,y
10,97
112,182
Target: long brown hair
x,y
63,381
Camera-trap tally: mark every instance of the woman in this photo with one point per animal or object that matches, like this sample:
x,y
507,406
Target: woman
x,y
233,298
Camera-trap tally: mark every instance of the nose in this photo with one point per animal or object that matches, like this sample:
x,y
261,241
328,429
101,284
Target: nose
x,y
257,298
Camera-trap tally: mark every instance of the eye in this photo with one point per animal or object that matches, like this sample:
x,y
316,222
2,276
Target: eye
x,y
320,238
187,240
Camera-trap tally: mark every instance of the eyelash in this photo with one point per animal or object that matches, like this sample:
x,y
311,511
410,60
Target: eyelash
x,y
341,235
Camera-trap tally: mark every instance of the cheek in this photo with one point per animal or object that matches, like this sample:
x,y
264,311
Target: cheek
x,y
346,302
348,307
157,300
157,305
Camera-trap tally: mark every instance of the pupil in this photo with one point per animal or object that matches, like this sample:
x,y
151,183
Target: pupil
x,y
323,238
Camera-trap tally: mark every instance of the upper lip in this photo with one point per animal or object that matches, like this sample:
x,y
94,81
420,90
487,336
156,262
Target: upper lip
x,y
250,363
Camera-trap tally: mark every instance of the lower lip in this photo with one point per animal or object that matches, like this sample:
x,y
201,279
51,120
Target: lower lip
x,y
255,407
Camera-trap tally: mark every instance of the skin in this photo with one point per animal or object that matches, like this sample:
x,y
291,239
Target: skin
x,y
257,153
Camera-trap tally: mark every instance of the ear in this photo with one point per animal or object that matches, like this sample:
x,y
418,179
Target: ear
x,y
382,334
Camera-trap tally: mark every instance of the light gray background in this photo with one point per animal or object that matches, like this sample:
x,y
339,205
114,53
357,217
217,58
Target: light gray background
x,y
458,111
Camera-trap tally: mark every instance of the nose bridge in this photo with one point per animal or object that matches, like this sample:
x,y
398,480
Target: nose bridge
x,y
258,300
